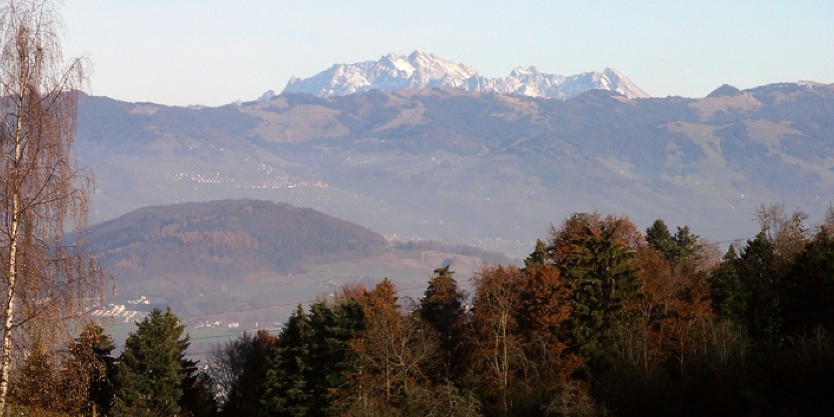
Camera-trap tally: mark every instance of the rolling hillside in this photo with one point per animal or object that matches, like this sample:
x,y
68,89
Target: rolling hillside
x,y
210,259
223,239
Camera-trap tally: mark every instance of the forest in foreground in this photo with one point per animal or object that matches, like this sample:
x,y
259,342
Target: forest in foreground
x,y
601,320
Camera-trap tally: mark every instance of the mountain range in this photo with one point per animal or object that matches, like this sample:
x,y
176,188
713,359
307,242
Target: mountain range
x,y
468,167
420,70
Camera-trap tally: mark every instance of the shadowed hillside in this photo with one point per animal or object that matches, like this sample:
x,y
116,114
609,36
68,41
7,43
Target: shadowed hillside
x,y
251,260
222,239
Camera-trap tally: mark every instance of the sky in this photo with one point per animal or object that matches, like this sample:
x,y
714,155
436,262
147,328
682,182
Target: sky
x,y
215,52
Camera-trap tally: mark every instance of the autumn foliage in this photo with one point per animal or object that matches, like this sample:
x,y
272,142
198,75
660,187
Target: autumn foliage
x,y
600,320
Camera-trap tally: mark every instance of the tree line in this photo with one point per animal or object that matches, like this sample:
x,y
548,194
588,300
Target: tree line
x,y
601,319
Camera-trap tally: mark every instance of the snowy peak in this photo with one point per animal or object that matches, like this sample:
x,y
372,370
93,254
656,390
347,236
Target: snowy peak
x,y
424,70
622,84
390,72
429,67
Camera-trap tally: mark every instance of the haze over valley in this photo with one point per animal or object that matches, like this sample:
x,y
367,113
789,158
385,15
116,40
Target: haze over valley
x,y
252,209
406,147
470,167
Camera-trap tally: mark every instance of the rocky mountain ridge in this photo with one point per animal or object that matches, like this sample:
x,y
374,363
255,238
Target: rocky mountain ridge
x,y
424,70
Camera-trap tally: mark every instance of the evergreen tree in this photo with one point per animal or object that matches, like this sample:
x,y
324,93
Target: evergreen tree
x,y
538,257
686,245
442,308
197,396
807,292
730,297
760,278
286,384
597,258
332,360
312,360
659,238
88,373
682,245
150,374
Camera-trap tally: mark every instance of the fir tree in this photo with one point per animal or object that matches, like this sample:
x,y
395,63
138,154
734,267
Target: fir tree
x,y
759,276
682,245
197,397
730,297
598,264
286,385
538,257
312,360
659,238
807,292
150,374
442,308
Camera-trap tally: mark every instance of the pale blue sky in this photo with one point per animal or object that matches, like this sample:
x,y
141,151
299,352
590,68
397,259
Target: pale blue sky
x,y
215,52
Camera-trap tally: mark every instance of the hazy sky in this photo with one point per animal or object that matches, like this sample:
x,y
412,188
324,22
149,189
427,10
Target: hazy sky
x,y
215,52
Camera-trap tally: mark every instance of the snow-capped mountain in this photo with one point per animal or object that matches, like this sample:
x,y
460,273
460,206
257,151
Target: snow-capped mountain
x,y
423,70
391,72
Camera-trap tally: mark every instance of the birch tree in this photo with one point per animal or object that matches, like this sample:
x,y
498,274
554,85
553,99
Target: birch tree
x,y
42,195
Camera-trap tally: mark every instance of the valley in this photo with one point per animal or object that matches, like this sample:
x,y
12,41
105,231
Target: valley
x,y
471,168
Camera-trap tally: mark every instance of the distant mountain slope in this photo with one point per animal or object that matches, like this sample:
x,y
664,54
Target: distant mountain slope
x,y
253,261
422,70
466,167
224,239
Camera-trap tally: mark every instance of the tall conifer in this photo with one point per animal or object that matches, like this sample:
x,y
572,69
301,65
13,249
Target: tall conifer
x,y
150,371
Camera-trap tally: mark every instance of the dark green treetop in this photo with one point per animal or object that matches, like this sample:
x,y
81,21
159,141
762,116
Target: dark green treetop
x,y
150,371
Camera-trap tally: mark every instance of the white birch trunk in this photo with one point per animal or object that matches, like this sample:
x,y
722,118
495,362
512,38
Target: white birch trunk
x,y
8,323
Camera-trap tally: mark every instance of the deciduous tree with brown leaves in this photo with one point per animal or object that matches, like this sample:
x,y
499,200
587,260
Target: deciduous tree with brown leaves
x,y
392,352
42,194
497,353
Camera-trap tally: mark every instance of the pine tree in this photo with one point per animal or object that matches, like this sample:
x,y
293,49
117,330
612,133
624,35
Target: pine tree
x,y
442,309
197,395
330,358
150,372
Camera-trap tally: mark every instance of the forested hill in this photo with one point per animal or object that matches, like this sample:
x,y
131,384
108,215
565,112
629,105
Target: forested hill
x,y
226,238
